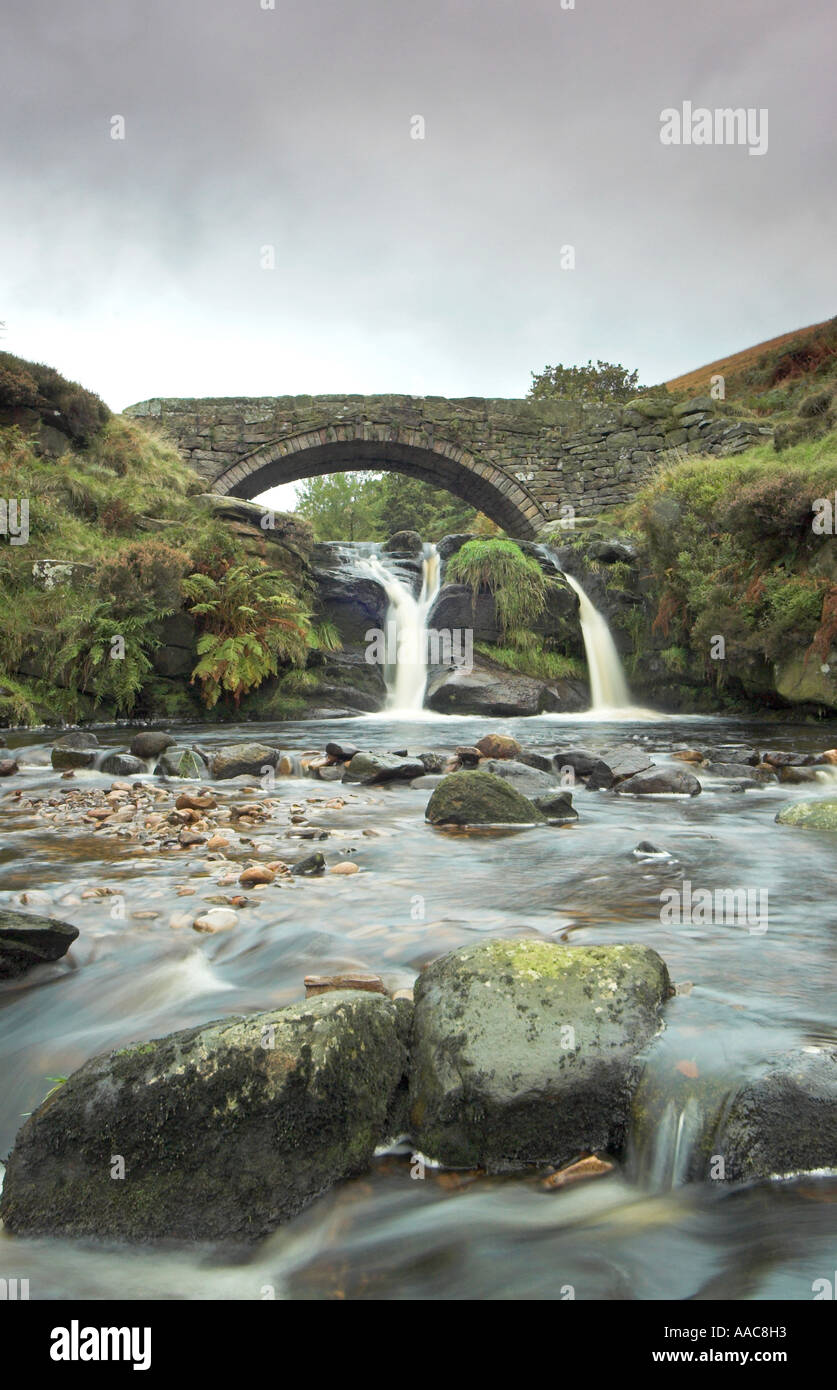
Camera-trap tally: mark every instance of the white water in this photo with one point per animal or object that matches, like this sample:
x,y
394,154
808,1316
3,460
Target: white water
x,y
608,687
406,675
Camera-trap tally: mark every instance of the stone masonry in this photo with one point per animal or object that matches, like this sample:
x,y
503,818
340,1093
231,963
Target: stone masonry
x,y
519,461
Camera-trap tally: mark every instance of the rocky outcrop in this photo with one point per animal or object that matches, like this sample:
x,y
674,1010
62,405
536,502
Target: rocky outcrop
x,y
222,1131
27,940
526,1052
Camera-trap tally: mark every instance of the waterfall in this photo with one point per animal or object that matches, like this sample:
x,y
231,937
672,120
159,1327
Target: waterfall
x,y
608,687
406,675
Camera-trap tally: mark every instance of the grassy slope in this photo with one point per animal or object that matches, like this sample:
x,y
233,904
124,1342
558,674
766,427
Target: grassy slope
x,y
773,377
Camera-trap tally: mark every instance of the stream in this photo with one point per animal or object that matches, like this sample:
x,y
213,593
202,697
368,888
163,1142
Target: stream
x,y
641,1233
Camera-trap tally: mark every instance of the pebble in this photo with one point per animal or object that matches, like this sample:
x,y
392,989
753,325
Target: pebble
x,y
344,868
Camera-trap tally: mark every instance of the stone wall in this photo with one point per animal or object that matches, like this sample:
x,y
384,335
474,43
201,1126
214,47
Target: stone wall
x,y
519,461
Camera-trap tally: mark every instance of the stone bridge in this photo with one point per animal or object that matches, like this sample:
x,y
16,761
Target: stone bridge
x,y
519,461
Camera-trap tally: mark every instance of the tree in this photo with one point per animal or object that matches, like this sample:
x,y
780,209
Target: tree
x,y
340,506
606,381
408,504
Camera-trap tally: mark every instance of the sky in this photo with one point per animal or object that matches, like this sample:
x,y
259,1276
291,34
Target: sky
x,y
287,134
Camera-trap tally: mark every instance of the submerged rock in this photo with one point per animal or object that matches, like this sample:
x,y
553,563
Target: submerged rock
x,y
814,815
225,1130
480,798
526,1052
27,940
786,1120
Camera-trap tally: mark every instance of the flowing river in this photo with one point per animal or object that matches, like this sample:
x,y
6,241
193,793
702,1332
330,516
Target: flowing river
x,y
641,1233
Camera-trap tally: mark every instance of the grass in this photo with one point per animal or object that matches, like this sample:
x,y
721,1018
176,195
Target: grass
x,y
731,546
501,568
123,509
535,661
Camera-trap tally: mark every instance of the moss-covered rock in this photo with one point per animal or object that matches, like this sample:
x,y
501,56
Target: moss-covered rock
x,y
814,815
225,1130
480,798
526,1051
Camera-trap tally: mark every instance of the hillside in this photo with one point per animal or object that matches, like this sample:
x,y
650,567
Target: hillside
x,y
775,376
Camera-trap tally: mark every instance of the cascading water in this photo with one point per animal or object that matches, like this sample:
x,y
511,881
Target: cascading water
x,y
406,673
608,687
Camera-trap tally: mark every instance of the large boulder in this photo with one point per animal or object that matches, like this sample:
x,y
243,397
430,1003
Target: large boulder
x,y
480,798
225,1130
785,1121
150,743
243,760
659,781
27,940
814,815
368,768
526,1052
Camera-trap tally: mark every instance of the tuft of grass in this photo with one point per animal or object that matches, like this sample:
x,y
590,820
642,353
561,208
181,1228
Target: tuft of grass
x,y
501,568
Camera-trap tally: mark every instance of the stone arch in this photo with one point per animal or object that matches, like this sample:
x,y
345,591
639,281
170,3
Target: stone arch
x,y
363,445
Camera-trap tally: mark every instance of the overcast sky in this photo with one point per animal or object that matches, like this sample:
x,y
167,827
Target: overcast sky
x,y
406,265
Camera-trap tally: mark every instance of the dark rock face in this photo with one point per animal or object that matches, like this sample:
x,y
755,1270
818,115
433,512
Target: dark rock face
x,y
226,1130
456,608
526,1052
785,1121
368,768
150,744
354,603
243,760
27,940
480,798
661,780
